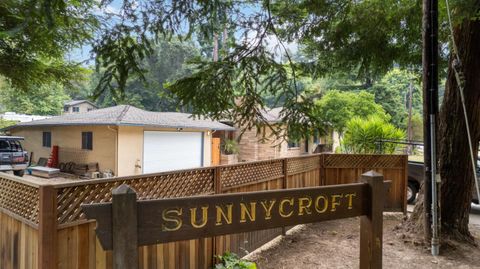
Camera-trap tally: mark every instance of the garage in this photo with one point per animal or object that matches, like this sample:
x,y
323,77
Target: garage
x,y
166,151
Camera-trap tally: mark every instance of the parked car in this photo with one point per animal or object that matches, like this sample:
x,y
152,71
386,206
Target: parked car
x,y
416,173
12,156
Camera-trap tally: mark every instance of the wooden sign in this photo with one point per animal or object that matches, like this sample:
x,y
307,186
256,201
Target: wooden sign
x,y
126,223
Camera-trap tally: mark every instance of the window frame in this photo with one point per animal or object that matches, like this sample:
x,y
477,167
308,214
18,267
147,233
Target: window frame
x,y
87,140
47,139
75,109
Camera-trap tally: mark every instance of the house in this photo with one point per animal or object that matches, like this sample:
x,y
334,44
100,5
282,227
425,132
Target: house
x,y
123,139
78,106
254,146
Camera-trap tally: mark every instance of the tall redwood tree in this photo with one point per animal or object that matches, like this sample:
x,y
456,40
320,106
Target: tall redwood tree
x,y
454,156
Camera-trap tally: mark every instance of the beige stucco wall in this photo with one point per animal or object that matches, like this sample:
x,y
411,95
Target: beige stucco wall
x,y
119,149
130,148
70,137
83,107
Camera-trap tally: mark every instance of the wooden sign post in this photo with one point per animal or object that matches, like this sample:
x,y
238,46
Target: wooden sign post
x,y
126,223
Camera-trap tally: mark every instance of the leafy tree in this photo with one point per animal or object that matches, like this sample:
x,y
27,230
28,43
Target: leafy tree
x,y
339,35
35,35
417,126
337,108
392,91
44,100
168,61
365,135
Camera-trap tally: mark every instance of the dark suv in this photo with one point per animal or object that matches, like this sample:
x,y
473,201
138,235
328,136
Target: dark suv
x,y
416,172
12,156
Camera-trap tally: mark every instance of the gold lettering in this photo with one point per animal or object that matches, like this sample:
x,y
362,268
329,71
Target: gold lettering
x,y
221,214
193,217
302,207
172,216
325,204
268,208
281,210
350,199
244,211
335,202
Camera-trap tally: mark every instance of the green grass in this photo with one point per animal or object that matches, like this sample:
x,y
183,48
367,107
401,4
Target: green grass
x,y
415,158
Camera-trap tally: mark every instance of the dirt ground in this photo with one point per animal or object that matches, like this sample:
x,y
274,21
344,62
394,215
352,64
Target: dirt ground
x,y
334,244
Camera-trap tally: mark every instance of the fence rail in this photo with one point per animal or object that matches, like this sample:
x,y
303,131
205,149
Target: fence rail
x,y
71,241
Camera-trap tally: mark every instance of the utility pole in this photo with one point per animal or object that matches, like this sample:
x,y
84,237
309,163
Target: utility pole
x,y
430,105
409,124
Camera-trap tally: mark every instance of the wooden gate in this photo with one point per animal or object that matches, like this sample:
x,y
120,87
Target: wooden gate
x,y
215,151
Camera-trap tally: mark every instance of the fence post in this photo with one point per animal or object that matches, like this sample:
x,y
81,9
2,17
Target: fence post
x,y
217,183
124,222
284,183
217,187
47,228
371,225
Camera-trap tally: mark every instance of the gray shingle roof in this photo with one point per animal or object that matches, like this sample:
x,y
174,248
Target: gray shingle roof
x,y
77,102
272,115
125,115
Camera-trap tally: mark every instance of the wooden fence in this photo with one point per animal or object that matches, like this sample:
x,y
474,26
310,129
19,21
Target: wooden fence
x,y
32,237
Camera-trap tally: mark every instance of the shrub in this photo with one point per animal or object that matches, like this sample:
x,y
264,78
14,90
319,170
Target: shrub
x,y
231,261
230,146
363,136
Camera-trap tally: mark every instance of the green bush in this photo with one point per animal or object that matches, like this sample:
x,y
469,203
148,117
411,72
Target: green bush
x,y
230,146
231,261
364,135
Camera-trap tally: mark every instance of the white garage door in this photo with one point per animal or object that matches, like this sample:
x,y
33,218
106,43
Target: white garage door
x,y
165,151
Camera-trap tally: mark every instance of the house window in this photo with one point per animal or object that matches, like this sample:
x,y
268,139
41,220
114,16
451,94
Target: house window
x,y
76,109
89,109
47,139
87,140
65,109
293,144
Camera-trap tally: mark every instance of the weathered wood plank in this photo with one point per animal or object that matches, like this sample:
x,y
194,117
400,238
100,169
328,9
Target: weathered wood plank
x,y
187,218
124,228
47,228
371,225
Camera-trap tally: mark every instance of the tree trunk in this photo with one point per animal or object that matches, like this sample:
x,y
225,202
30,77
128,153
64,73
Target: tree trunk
x,y
454,155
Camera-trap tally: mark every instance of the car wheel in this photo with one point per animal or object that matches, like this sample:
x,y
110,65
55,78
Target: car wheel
x,y
411,193
19,173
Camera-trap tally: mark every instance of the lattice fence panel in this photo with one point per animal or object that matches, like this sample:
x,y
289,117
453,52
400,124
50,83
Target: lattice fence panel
x,y
363,161
300,165
19,199
178,184
242,174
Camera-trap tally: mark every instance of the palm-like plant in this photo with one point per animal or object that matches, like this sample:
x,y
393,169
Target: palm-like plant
x,y
361,136
230,146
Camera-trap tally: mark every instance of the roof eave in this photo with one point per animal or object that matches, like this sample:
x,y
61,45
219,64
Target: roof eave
x,y
226,128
